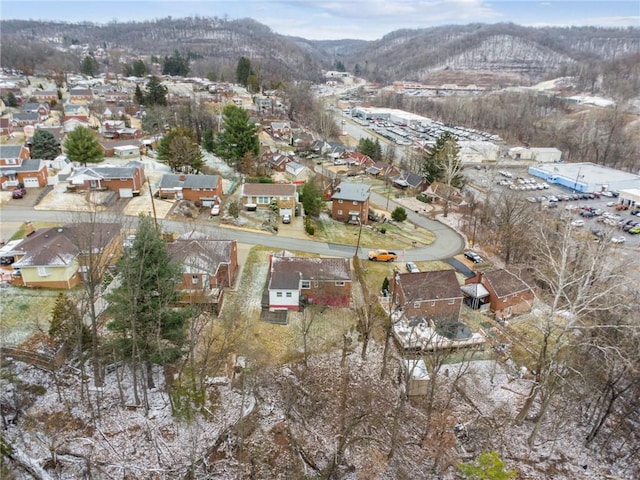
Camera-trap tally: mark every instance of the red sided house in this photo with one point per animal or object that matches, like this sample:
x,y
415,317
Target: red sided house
x,y
350,203
16,167
507,294
203,189
208,265
126,180
58,257
432,296
263,195
296,281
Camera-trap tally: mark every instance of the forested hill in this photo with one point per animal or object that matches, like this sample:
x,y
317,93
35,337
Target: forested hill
x,y
400,55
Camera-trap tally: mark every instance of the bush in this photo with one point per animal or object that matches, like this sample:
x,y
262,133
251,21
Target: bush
x,y
423,198
310,229
383,230
399,214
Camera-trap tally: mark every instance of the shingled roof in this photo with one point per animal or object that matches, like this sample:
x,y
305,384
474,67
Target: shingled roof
x,y
200,254
505,283
286,272
435,285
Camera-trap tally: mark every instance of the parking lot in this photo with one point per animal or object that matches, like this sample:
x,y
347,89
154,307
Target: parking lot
x,y
601,214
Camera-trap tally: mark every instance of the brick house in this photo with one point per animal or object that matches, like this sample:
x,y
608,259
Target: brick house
x,y
80,95
6,126
45,95
350,202
23,119
16,167
508,293
56,257
208,266
296,281
263,195
203,189
109,145
433,296
126,180
41,108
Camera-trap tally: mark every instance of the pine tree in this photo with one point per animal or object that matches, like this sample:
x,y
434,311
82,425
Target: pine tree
x,y
149,330
207,140
66,324
156,93
82,146
238,137
243,71
138,95
12,101
44,145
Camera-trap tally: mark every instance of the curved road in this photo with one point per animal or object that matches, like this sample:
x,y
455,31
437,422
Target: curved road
x,y
447,243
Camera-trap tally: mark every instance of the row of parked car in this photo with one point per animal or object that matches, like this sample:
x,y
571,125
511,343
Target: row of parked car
x,y
610,219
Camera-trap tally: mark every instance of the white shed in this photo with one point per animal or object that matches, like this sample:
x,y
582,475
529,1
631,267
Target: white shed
x,y
126,151
416,376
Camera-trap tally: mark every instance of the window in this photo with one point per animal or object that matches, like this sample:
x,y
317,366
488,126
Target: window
x,y
339,201
279,294
339,284
433,303
305,284
339,212
263,200
194,279
355,203
416,304
451,302
43,271
288,295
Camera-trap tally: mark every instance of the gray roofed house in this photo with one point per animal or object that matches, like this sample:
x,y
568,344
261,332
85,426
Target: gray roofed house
x,y
203,189
8,152
350,202
296,280
126,180
25,118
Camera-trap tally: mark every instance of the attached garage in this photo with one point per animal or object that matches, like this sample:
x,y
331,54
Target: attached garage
x,y
126,192
31,182
286,211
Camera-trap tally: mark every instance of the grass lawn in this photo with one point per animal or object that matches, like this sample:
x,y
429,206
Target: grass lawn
x,y
397,236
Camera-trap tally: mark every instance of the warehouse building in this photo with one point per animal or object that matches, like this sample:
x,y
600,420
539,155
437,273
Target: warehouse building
x,y
586,177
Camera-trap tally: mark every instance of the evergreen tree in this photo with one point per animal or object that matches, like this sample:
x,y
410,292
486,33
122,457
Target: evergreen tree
x,y
371,148
89,66
180,151
12,101
149,330
175,65
156,93
82,146
243,71
399,214
238,136
253,85
139,69
138,96
312,200
44,145
208,140
66,324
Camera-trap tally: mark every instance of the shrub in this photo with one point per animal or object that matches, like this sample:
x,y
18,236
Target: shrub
x,y
423,198
383,230
399,214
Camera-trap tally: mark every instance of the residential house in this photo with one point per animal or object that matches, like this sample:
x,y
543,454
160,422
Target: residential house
x,y
302,141
41,109
276,160
16,167
382,169
126,180
23,119
281,131
205,190
6,126
80,95
208,266
69,124
72,110
350,202
408,180
507,293
442,193
433,296
358,160
110,145
296,281
58,257
44,95
262,195
297,172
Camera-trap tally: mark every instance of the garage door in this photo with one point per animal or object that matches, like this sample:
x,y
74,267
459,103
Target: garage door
x,y
286,211
31,183
126,192
207,202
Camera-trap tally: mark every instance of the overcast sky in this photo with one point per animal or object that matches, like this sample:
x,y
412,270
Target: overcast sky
x,y
338,19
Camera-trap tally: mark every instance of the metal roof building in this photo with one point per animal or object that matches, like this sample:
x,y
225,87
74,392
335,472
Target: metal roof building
x,y
585,177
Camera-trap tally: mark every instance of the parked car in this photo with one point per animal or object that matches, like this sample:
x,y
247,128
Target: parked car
x,y
606,193
635,230
473,256
587,213
215,210
19,191
618,239
412,267
577,223
286,218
